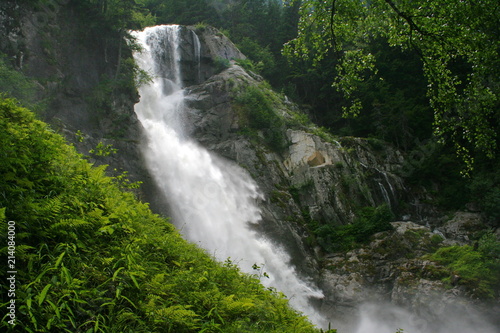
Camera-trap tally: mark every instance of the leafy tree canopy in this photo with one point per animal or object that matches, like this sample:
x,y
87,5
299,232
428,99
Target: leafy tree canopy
x,y
457,41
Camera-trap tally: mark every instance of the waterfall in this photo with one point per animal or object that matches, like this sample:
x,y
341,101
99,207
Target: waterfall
x,y
385,194
213,202
197,55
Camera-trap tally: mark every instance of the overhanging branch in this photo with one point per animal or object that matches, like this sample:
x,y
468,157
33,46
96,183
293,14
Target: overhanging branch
x,y
407,18
332,30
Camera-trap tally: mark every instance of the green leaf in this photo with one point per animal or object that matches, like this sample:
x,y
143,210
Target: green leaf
x,y
135,281
115,274
43,294
59,259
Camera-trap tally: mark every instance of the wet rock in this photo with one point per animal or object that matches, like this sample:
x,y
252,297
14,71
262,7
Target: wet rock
x,y
462,226
392,269
204,51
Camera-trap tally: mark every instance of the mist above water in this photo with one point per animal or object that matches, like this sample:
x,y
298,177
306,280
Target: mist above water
x,y
387,318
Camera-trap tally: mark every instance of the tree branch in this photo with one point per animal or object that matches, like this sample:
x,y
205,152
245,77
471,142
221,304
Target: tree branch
x,y
413,27
332,31
408,19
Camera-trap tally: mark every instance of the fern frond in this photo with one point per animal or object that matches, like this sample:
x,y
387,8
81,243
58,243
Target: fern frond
x,y
71,224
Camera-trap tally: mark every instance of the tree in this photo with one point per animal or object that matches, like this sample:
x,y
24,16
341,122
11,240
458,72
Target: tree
x,y
457,41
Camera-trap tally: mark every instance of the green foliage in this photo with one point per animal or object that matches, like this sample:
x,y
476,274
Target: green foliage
x,y
259,271
436,240
188,12
258,27
369,221
437,167
80,137
118,15
221,64
124,182
489,246
260,113
394,103
16,84
103,150
13,82
484,189
477,269
457,43
262,57
107,26
250,65
91,258
125,82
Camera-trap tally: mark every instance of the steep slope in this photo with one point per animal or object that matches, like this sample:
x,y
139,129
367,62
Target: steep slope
x,y
309,176
213,202
89,257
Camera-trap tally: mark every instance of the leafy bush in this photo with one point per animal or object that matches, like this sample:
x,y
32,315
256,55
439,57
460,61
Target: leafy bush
x,y
369,221
261,56
91,258
477,269
260,115
126,81
200,27
250,65
485,189
221,64
16,84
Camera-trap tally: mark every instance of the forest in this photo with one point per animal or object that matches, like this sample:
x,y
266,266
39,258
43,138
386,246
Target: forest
x,y
421,76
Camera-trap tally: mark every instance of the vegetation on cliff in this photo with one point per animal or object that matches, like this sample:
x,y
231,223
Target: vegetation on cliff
x,y
475,267
456,43
91,258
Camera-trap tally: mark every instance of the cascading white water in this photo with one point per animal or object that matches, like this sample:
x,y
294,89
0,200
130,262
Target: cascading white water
x,y
197,55
213,202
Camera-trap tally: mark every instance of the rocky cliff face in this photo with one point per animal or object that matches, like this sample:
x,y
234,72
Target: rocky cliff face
x,y
323,179
203,50
393,269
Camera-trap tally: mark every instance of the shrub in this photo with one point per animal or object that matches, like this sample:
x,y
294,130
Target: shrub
x,y
15,84
477,269
369,221
200,27
250,65
485,190
221,64
261,56
260,115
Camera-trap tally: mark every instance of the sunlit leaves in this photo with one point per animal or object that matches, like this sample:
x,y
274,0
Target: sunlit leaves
x,y
351,72
458,43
